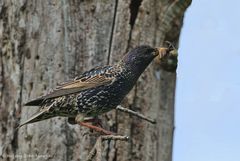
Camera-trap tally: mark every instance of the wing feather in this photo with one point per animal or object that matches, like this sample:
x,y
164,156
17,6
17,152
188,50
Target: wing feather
x,y
96,77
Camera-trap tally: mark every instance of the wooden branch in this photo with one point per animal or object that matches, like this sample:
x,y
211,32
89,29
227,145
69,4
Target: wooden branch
x,y
120,108
97,148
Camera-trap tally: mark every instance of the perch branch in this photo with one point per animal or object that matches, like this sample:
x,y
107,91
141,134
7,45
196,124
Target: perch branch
x,y
120,108
97,148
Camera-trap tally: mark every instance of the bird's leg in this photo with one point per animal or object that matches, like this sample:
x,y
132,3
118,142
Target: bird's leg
x,y
94,120
81,121
98,129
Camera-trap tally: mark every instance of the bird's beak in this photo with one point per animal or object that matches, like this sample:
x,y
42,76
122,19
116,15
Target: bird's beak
x,y
156,53
161,52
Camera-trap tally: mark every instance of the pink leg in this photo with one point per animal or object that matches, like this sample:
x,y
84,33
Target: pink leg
x,y
95,121
98,129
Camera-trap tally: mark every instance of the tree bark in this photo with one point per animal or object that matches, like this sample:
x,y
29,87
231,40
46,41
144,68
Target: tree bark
x,y
46,42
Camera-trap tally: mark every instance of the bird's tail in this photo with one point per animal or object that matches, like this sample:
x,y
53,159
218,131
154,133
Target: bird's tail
x,y
39,116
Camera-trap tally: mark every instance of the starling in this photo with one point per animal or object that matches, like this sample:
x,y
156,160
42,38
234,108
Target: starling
x,y
96,91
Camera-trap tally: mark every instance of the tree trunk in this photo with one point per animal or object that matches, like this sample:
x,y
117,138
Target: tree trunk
x,y
46,42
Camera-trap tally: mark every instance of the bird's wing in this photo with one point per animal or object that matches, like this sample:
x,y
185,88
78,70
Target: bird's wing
x,y
95,77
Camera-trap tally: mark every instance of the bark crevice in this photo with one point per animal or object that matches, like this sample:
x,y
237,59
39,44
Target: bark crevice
x,y
112,31
2,77
134,9
3,17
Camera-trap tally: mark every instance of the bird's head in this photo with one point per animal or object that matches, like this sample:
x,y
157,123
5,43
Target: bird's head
x,y
140,57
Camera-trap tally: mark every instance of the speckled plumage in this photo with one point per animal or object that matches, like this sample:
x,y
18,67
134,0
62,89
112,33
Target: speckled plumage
x,y
96,91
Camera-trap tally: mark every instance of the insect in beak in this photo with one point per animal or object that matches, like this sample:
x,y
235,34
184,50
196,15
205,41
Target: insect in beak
x,y
162,52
